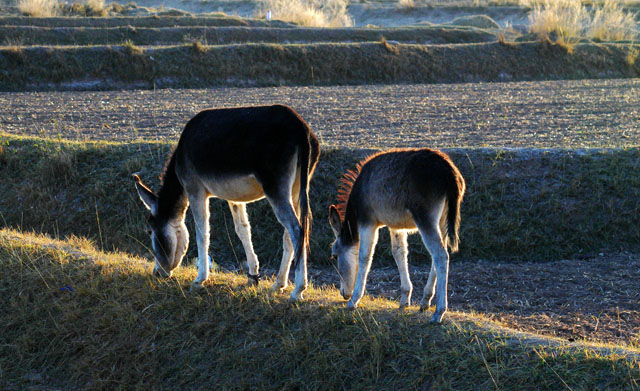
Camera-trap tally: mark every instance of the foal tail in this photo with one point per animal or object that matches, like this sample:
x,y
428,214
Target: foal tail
x,y
308,152
455,193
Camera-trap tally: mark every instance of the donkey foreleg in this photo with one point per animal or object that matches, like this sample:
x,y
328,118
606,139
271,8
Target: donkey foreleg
x,y
243,230
400,251
368,239
429,289
282,280
200,211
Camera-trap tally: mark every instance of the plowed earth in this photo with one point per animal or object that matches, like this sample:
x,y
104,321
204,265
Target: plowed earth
x,y
594,299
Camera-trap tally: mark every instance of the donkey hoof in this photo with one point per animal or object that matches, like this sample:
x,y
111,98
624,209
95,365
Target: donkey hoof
x,y
251,282
351,305
436,318
405,301
296,296
278,287
196,287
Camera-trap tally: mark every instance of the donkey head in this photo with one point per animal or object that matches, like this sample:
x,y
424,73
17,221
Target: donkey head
x,y
345,249
169,235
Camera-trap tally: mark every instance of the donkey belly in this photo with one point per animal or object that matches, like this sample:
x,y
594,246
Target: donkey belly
x,y
396,219
238,189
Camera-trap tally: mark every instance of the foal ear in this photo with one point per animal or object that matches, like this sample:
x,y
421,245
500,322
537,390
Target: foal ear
x,y
334,219
149,199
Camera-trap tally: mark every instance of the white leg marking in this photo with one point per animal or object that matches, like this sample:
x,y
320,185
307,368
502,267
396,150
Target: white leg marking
x,y
400,250
368,240
200,211
243,230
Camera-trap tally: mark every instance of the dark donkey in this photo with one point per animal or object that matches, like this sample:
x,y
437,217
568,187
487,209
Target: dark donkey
x,y
240,155
405,190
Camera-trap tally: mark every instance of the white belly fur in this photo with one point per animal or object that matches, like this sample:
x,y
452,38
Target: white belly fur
x,y
237,189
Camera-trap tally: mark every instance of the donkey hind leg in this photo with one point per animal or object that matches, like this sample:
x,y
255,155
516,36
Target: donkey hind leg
x,y
287,217
200,210
368,240
399,249
429,289
282,280
432,239
243,230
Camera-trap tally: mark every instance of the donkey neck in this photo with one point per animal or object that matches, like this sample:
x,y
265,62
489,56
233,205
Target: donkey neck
x,y
172,198
349,232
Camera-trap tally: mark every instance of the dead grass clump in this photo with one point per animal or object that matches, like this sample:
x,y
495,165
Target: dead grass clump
x,y
86,8
130,48
612,23
632,56
569,21
313,13
39,8
406,5
197,47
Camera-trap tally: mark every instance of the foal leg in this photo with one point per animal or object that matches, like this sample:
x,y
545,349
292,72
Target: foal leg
x,y
440,262
200,209
243,230
368,239
399,249
429,289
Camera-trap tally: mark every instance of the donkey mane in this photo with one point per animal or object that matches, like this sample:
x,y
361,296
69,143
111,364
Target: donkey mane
x,y
349,179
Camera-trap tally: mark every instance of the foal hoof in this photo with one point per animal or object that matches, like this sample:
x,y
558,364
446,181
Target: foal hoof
x,y
251,282
296,296
351,305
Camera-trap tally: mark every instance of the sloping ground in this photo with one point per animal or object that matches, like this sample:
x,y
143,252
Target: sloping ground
x,y
535,205
323,64
32,35
138,21
77,318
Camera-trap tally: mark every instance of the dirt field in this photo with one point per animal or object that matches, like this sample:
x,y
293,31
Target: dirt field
x,y
554,114
593,298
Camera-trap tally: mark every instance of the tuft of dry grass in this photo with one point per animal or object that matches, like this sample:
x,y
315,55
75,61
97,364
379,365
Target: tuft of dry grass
x,y
406,4
313,13
39,8
569,21
612,23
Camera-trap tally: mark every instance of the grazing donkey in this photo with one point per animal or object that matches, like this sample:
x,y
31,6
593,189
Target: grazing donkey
x,y
240,155
405,190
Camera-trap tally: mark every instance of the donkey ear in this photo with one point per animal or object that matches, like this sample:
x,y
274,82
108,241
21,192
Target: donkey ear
x,y
334,219
149,199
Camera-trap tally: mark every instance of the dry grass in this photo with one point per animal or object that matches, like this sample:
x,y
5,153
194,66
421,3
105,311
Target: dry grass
x,y
74,317
569,21
39,8
313,13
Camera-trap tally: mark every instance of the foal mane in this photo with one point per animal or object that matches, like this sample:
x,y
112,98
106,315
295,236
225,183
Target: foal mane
x,y
346,184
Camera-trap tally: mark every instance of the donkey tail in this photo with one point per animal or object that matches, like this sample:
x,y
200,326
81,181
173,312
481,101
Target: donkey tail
x,y
455,193
307,158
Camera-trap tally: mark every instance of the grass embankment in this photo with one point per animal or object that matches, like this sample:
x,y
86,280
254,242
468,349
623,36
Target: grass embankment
x,y
76,318
323,64
521,205
30,35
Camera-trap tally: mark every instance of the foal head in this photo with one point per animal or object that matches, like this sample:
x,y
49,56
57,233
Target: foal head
x,y
345,249
169,235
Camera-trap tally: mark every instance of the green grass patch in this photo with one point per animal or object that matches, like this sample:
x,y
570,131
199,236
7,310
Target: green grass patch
x,y
530,205
305,64
76,318
30,35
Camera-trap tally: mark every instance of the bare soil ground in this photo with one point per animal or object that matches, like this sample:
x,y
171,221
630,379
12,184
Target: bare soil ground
x,y
553,114
595,298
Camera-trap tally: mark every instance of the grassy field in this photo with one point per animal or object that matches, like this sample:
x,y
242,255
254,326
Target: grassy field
x,y
74,317
531,205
